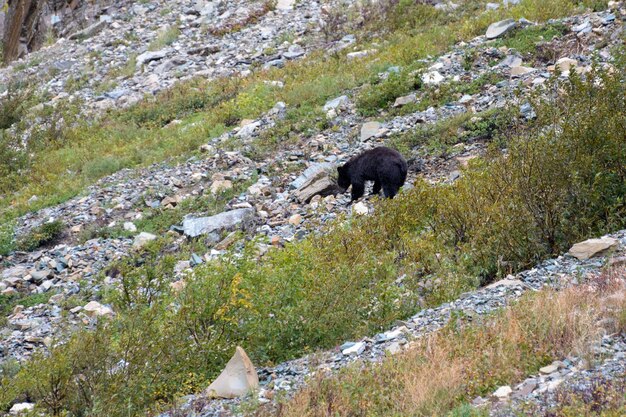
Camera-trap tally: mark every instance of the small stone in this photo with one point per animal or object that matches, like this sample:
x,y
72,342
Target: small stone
x,y
503,392
517,71
566,64
171,201
355,350
360,208
500,28
39,276
130,226
433,78
546,370
221,186
295,220
95,309
142,239
403,101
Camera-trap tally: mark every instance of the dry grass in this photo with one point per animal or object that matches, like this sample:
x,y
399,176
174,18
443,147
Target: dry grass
x,y
448,368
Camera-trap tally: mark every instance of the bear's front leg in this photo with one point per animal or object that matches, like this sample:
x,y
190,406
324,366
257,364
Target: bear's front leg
x,y
357,191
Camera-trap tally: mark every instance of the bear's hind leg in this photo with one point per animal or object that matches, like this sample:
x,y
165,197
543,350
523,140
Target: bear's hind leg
x,y
377,187
390,190
357,191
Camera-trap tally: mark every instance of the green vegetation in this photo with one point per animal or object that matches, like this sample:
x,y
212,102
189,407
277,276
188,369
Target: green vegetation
x,y
42,235
438,138
525,41
605,399
8,302
7,238
562,179
164,38
209,108
440,374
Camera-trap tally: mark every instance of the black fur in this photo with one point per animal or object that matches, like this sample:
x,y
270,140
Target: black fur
x,y
385,166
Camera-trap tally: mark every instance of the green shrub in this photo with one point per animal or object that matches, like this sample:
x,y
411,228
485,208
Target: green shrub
x,y
164,38
43,235
374,97
13,106
7,238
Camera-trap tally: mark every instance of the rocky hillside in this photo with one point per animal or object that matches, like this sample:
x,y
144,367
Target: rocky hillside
x,y
168,194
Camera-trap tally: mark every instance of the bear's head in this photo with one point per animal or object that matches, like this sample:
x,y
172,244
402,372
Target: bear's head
x,y
344,177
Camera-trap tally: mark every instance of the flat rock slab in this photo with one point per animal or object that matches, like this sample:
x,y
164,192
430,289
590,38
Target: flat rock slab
x,y
500,28
369,130
194,227
312,171
321,185
593,247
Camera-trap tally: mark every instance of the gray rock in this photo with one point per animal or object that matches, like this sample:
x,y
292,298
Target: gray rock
x,y
403,101
336,103
500,28
295,51
89,31
150,56
312,171
320,184
39,276
227,220
369,130
584,27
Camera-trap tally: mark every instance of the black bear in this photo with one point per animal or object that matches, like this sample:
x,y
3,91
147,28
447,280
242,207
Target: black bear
x,y
385,166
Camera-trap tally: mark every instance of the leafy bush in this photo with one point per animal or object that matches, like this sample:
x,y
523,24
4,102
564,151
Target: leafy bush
x,y
7,238
42,235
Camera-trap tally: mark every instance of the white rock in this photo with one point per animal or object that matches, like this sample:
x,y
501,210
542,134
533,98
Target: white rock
x,y
142,239
503,392
237,379
360,208
20,408
355,349
546,370
433,77
130,226
95,309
